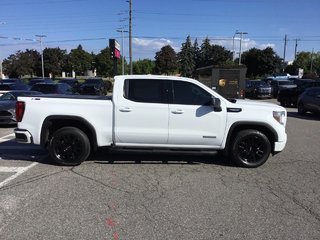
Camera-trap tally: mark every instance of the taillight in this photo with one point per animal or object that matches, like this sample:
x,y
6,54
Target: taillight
x,y
20,106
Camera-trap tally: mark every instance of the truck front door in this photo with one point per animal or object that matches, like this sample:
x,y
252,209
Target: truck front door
x,y
192,119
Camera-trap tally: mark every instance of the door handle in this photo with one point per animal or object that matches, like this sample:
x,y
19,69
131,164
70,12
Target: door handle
x,y
125,109
178,111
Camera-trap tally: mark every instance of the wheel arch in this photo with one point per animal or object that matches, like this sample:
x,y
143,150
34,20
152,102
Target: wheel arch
x,y
55,122
266,129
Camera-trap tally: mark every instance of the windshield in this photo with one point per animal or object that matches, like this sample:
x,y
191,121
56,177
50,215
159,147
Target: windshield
x,y
7,96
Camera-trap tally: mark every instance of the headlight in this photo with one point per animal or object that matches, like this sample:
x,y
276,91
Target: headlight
x,y
279,116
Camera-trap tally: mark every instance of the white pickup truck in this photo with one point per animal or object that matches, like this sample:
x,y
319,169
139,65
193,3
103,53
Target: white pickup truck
x,y
156,112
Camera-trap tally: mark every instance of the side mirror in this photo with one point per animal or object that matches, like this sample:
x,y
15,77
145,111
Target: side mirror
x,y
216,104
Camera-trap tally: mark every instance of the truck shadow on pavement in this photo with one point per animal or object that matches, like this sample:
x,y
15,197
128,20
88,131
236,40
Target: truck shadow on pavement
x,y
107,156
10,150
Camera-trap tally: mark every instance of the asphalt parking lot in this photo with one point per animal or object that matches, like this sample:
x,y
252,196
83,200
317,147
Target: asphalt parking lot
x,y
131,195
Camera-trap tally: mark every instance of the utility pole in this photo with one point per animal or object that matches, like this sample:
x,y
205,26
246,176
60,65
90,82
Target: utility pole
x,y
311,67
295,48
241,35
41,48
130,35
284,50
122,51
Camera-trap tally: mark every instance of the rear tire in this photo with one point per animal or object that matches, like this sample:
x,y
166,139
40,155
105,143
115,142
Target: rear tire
x,y
69,146
250,148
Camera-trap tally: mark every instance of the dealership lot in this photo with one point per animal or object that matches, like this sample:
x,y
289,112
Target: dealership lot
x,y
114,196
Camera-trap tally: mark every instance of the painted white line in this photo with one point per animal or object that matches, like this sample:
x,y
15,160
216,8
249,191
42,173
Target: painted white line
x,y
20,170
11,169
7,137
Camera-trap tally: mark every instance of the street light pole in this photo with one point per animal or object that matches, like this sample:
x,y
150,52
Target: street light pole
x,y
42,63
122,51
1,72
233,50
241,35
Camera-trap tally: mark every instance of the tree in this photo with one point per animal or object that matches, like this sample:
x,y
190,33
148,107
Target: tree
x,y
144,66
205,53
306,61
23,63
104,63
166,60
261,62
186,59
80,60
54,60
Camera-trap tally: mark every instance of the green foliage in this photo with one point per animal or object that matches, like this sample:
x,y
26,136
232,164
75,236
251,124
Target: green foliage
x,y
104,63
144,66
166,61
80,60
309,62
54,61
186,59
261,62
22,63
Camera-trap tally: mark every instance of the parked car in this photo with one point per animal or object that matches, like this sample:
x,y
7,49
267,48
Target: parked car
x,y
257,89
11,84
55,88
309,101
8,105
34,81
93,86
289,96
276,85
74,83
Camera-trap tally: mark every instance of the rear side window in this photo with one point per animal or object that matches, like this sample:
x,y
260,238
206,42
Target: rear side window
x,y
190,94
145,90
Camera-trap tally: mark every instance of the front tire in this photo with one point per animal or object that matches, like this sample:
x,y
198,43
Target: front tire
x,y
250,148
301,109
69,146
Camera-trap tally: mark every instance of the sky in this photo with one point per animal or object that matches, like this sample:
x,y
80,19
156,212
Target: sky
x,y
156,23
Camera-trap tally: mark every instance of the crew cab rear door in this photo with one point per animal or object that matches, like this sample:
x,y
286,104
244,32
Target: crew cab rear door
x,y
141,114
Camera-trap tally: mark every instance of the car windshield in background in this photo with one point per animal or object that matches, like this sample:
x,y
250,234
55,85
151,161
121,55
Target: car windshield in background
x,y
44,88
260,84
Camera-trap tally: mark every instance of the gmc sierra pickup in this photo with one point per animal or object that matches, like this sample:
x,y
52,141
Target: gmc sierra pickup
x,y
157,112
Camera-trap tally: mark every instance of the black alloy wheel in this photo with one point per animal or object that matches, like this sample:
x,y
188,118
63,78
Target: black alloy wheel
x,y
69,146
250,148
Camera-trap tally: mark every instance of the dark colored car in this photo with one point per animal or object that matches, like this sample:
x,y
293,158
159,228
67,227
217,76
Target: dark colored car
x,y
309,101
8,105
34,81
276,85
257,89
53,88
11,84
74,83
93,86
289,96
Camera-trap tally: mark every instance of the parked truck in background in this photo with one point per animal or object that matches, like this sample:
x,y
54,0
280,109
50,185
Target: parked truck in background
x,y
152,112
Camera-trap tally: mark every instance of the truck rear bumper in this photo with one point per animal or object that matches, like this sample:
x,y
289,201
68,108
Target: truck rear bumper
x,y
23,136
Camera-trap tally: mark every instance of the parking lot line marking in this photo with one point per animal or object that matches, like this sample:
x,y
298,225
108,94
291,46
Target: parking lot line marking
x,y
19,171
7,137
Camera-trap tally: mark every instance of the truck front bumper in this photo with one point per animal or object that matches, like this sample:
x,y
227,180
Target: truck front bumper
x,y
23,136
279,146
